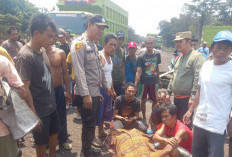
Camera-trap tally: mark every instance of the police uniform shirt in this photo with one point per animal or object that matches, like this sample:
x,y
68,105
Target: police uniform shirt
x,y
89,75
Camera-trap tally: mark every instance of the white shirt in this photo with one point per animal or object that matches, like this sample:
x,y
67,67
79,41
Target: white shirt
x,y
215,103
108,68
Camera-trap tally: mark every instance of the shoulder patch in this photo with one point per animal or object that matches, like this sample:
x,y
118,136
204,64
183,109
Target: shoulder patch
x,y
78,46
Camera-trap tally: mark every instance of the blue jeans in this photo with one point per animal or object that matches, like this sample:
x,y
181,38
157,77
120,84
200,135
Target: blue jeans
x,y
61,111
207,144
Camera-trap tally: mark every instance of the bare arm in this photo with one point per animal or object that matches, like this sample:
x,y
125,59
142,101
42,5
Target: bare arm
x,y
188,114
158,135
116,116
158,76
135,117
28,98
123,74
65,75
138,75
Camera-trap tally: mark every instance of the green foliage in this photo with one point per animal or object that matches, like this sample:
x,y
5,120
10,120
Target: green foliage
x,y
210,31
225,15
169,29
6,21
195,16
16,12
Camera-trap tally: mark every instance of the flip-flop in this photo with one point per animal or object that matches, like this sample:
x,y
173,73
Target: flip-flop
x,y
97,143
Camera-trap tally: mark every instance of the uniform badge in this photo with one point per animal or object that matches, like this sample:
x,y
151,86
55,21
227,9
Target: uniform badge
x,y
78,46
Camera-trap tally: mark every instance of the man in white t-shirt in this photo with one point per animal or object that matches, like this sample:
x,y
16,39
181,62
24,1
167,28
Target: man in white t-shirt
x,y
214,97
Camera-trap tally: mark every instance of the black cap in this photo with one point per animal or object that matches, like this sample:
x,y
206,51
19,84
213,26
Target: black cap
x,y
99,20
120,34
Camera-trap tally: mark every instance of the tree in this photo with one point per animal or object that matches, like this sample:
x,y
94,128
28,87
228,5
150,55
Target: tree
x,y
16,12
225,14
169,29
132,36
204,10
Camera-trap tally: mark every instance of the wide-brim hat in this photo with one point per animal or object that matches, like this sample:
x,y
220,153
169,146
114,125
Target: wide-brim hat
x,y
183,35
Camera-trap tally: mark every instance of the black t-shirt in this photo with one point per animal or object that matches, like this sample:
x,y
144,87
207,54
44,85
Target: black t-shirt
x,y
149,63
33,66
127,109
65,48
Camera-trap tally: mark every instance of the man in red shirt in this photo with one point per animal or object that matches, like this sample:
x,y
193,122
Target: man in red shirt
x,y
174,135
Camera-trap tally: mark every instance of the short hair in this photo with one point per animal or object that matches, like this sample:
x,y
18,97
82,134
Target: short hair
x,y
164,92
150,37
194,39
130,84
40,23
171,108
12,28
109,36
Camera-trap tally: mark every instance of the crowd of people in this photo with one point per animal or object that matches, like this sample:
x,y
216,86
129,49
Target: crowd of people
x,y
190,118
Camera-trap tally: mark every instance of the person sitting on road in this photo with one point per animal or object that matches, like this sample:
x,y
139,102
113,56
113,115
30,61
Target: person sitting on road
x,y
173,135
155,119
126,110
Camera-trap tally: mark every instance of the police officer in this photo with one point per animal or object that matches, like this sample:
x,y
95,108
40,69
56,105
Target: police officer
x,y
89,76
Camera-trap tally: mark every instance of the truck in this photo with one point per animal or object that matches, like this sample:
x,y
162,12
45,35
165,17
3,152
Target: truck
x,y
72,15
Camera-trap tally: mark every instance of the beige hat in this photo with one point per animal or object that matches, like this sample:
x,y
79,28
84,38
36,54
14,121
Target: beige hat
x,y
183,35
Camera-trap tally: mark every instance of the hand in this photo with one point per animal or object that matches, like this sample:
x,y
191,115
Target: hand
x,y
229,128
39,126
128,120
160,84
114,95
87,102
108,91
187,116
68,97
101,99
172,141
190,103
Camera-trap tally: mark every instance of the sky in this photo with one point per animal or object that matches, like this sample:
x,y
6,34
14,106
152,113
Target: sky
x,y
144,15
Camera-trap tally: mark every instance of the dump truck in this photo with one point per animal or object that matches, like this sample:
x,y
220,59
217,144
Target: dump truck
x,y
72,15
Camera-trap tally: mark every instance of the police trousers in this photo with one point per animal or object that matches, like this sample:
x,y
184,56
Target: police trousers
x,y
89,118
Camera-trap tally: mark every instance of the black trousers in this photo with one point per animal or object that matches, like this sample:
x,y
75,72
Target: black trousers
x,y
138,124
89,118
182,108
